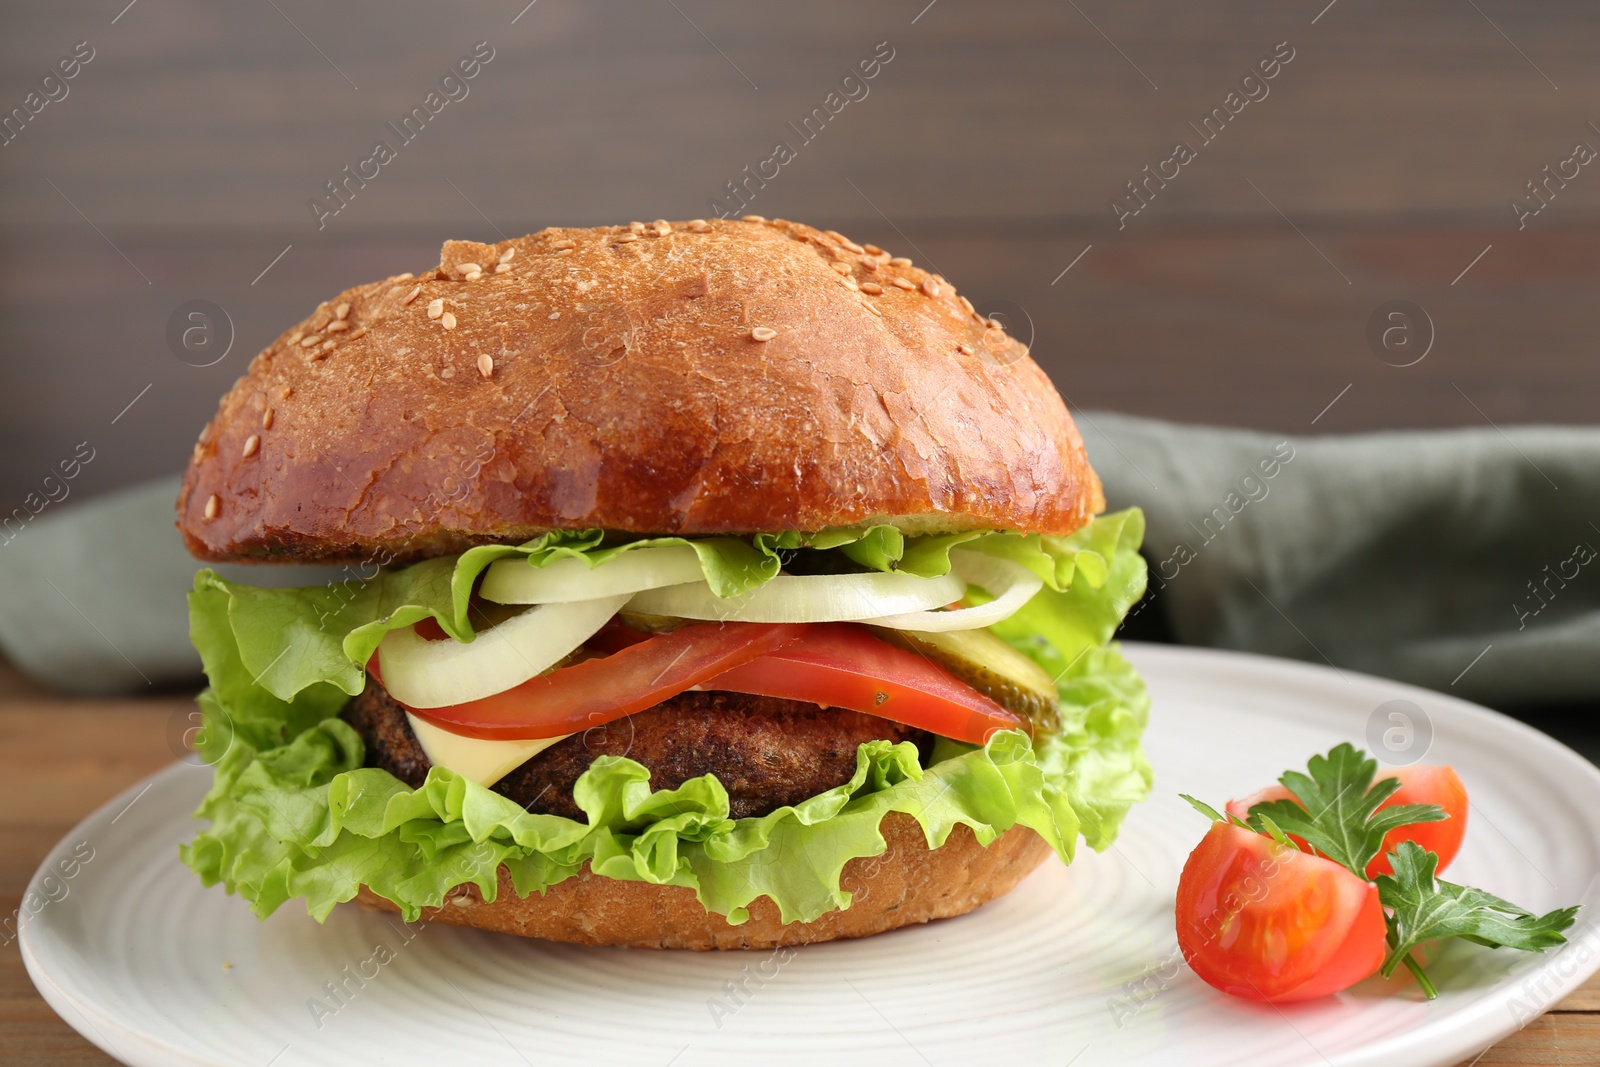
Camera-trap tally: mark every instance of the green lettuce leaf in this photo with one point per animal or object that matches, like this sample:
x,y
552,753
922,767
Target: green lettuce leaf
x,y
290,638
1058,626
293,813
307,820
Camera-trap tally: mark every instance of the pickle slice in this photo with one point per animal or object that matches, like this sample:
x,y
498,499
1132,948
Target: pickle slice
x,y
992,667
652,624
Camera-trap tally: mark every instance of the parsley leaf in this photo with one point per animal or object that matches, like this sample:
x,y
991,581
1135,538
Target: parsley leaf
x,y
1426,908
1212,813
1338,810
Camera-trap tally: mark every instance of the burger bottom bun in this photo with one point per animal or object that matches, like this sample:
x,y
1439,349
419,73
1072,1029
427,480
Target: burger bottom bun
x,y
908,883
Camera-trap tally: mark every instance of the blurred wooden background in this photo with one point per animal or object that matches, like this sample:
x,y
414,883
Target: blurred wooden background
x,y
1380,164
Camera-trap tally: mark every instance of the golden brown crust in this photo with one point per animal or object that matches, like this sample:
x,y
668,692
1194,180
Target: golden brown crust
x,y
908,883
722,377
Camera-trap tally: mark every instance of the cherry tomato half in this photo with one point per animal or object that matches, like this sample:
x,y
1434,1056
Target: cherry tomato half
x,y
1421,783
1266,922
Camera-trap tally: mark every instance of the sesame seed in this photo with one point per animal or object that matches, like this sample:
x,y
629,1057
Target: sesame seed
x,y
872,309
486,364
965,349
337,326
753,218
469,269
930,286
627,238
448,320
359,331
412,295
841,266
904,283
636,227
553,315
342,312
251,445
763,333
436,308
508,255
294,338
872,250
871,287
870,266
266,419
213,505
900,261
501,268
968,305
406,277
309,340
850,283
699,225
564,244
475,275
663,227
284,390
842,239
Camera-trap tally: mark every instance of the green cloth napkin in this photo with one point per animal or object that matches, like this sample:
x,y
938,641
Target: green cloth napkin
x,y
1462,560
93,599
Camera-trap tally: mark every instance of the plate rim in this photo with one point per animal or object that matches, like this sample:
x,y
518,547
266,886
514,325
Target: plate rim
x,y
57,995
1469,1029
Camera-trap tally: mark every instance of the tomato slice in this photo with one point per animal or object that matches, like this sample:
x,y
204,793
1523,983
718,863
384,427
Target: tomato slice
x,y
1258,920
615,636
842,666
597,691
1421,783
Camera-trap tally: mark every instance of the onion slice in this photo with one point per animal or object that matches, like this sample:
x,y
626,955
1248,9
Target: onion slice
x,y
805,598
1011,584
435,674
513,581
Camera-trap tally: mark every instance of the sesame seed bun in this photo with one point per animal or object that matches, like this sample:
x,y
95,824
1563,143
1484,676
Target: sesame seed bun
x,y
690,378
909,883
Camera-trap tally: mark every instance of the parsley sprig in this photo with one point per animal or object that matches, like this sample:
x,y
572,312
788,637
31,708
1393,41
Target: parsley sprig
x,y
1339,817
1338,810
1424,908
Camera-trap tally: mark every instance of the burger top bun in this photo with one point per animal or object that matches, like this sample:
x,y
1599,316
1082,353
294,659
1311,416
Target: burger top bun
x,y
687,378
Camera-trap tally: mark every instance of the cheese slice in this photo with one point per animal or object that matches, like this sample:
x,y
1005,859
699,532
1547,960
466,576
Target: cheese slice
x,y
483,761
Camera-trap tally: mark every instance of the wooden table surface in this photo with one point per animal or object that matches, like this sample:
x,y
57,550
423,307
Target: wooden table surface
x,y
47,787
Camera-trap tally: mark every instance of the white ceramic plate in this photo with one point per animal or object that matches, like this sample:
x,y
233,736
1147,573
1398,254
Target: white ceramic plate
x,y
1077,966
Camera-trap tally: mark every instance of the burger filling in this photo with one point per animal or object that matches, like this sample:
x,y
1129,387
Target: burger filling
x,y
666,709
570,649
766,751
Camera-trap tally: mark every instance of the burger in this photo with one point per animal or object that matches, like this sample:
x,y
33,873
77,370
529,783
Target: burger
x,y
713,584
